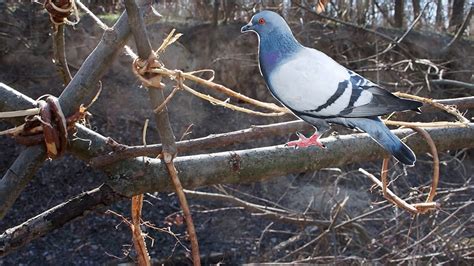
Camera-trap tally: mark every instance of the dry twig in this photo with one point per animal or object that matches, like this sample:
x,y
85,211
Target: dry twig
x,y
154,68
394,199
137,235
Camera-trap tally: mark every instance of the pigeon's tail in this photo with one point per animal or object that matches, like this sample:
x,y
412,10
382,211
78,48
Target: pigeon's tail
x,y
380,133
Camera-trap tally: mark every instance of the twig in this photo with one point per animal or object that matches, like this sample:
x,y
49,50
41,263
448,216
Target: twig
x,y
260,210
434,153
339,208
145,68
153,67
425,124
393,197
456,83
137,235
461,30
136,213
19,113
59,53
97,20
449,109
460,103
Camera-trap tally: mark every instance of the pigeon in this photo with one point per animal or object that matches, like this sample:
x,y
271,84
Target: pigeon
x,y
320,91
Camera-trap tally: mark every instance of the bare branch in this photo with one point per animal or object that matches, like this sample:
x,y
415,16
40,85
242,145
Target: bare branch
x,y
205,143
18,236
461,30
261,163
450,82
59,52
165,131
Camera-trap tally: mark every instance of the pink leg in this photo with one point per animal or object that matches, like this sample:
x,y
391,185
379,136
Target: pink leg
x,y
306,142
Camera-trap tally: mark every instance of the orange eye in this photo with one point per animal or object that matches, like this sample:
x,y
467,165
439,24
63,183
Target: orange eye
x,y
261,21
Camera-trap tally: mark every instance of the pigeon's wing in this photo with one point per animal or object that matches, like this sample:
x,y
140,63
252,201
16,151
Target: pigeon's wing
x,y
313,84
368,99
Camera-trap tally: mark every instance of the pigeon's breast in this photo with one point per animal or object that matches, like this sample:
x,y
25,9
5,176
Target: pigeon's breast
x,y
311,81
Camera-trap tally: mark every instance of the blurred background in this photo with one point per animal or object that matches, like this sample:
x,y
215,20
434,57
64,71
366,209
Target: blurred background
x,y
433,58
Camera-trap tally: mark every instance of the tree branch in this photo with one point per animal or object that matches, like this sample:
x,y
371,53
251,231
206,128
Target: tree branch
x,y
451,82
165,131
205,143
140,175
59,53
18,236
461,30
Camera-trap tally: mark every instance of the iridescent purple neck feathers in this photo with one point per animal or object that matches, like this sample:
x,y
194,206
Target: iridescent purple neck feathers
x,y
275,48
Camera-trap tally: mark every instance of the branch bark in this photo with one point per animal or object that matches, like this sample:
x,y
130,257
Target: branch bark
x,y
261,163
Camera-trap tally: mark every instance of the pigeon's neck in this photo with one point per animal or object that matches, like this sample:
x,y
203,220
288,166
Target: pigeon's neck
x,y
274,49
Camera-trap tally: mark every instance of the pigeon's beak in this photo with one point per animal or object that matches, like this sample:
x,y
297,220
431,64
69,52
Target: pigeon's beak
x,y
247,27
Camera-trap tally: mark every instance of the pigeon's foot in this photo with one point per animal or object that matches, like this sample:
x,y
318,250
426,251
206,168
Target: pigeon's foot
x,y
304,142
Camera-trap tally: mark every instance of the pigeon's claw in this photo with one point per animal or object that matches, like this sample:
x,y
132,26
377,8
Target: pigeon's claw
x,y
304,142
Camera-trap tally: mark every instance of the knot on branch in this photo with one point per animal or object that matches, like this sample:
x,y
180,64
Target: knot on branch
x,y
143,69
48,125
60,10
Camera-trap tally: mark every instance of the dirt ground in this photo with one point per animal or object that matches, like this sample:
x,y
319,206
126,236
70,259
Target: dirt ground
x,y
226,233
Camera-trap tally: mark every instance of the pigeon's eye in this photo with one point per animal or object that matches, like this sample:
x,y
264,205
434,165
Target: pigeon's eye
x,y
261,21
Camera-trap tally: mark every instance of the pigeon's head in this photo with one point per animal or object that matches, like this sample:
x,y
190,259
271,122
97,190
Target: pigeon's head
x,y
266,22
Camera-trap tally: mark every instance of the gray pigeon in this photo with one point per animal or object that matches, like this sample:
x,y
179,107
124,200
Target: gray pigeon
x,y
320,91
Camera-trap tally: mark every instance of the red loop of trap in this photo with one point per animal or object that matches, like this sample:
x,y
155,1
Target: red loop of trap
x,y
49,126
58,10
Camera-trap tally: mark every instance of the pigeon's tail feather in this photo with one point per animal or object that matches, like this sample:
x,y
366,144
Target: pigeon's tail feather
x,y
411,105
380,133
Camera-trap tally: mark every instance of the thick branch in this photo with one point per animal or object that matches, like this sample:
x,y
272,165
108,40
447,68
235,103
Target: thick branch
x,y
82,87
55,218
140,175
